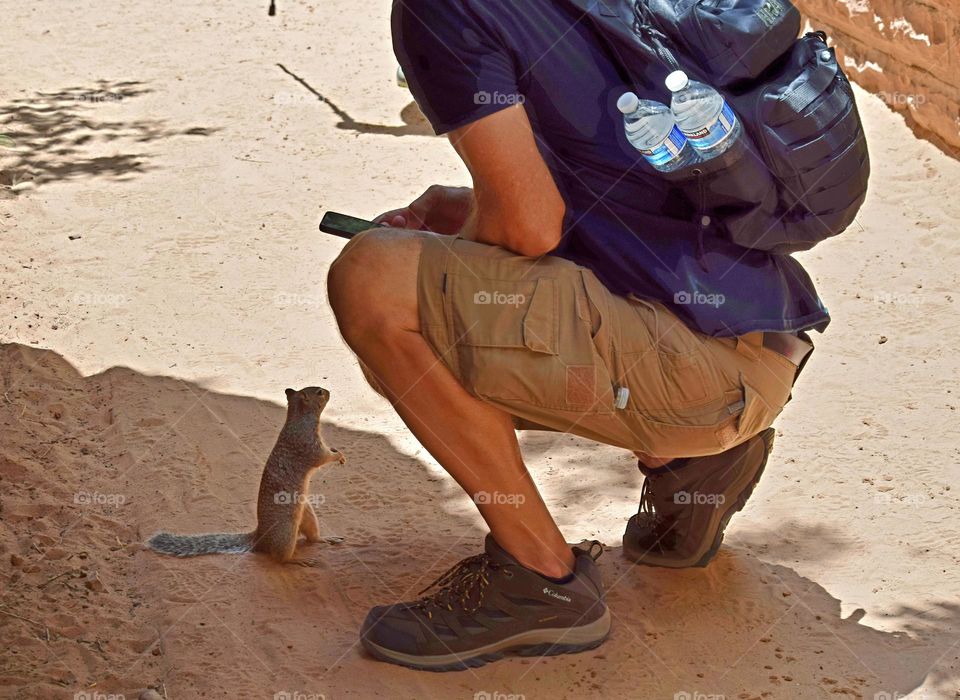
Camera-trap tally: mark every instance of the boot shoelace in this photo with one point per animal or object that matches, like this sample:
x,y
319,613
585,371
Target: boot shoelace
x,y
464,584
648,510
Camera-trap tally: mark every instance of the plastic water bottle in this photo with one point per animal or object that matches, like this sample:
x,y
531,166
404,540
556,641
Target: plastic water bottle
x,y
703,116
652,130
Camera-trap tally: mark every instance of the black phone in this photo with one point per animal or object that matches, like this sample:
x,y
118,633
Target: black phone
x,y
344,226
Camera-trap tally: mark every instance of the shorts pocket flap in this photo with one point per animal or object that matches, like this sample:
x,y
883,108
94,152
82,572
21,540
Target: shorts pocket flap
x,y
540,321
488,313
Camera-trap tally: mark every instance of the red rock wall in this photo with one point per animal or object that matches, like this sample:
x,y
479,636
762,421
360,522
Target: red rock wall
x,y
906,51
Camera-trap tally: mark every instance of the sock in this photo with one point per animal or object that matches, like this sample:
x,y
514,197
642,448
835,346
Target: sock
x,y
670,466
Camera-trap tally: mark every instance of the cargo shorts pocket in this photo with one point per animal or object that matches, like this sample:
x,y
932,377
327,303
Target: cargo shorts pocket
x,y
757,414
666,366
521,343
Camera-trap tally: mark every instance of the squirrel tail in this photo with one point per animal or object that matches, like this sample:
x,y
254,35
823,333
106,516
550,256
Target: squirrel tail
x,y
195,545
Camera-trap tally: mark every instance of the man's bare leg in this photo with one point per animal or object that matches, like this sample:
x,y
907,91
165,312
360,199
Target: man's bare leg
x,y
373,292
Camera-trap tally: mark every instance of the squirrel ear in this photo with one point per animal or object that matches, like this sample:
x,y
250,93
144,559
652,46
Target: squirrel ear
x,y
289,393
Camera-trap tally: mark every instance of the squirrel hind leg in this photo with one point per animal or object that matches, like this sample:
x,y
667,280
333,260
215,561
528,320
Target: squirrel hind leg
x,y
310,528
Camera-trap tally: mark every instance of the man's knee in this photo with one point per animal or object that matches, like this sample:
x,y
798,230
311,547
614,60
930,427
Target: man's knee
x,y
372,283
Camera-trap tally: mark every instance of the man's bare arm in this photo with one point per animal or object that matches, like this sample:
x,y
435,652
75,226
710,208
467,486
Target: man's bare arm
x,y
517,203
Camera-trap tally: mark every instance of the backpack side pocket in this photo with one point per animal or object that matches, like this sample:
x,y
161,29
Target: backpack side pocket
x,y
811,135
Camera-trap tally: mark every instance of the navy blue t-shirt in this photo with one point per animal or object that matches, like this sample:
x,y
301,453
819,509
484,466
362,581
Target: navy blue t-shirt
x,y
466,59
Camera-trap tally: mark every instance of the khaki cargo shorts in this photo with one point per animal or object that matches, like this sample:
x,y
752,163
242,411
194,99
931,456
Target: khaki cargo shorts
x,y
545,341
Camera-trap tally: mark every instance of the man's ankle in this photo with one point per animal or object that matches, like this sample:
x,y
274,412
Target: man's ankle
x,y
556,567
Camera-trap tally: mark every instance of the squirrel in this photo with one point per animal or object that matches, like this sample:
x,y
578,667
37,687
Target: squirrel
x,y
283,508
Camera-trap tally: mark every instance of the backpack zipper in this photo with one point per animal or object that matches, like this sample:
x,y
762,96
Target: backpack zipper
x,y
642,24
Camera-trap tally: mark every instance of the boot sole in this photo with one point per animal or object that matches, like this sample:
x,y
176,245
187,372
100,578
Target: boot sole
x,y
541,642
718,523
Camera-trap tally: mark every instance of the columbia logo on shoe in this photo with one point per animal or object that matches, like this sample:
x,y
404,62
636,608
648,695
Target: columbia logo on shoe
x,y
559,596
684,498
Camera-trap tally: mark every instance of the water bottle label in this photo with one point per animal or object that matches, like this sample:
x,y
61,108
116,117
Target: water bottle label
x,y
666,151
715,132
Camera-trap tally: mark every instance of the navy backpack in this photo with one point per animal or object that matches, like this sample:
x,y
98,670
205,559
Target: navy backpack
x,y
799,174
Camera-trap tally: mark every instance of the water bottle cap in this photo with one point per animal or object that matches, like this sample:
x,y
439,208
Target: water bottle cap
x,y
628,103
677,80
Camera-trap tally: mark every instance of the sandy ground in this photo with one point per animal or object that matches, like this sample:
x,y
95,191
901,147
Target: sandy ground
x,y
143,366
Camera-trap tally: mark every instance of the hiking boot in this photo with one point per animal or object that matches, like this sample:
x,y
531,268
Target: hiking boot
x,y
488,606
685,506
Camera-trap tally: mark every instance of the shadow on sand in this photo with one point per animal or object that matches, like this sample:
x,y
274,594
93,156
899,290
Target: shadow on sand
x,y
414,123
53,136
189,459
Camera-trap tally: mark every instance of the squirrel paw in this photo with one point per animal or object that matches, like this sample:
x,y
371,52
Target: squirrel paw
x,y
333,539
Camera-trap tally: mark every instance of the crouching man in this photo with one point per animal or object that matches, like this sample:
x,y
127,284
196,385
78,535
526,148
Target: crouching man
x,y
568,290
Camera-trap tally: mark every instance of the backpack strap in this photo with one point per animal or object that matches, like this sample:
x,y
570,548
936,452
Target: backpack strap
x,y
800,97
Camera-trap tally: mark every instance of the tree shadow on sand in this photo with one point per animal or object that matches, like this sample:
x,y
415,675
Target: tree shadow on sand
x,y
53,136
189,459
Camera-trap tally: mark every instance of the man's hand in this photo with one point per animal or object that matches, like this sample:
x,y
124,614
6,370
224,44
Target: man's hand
x,y
440,209
518,205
